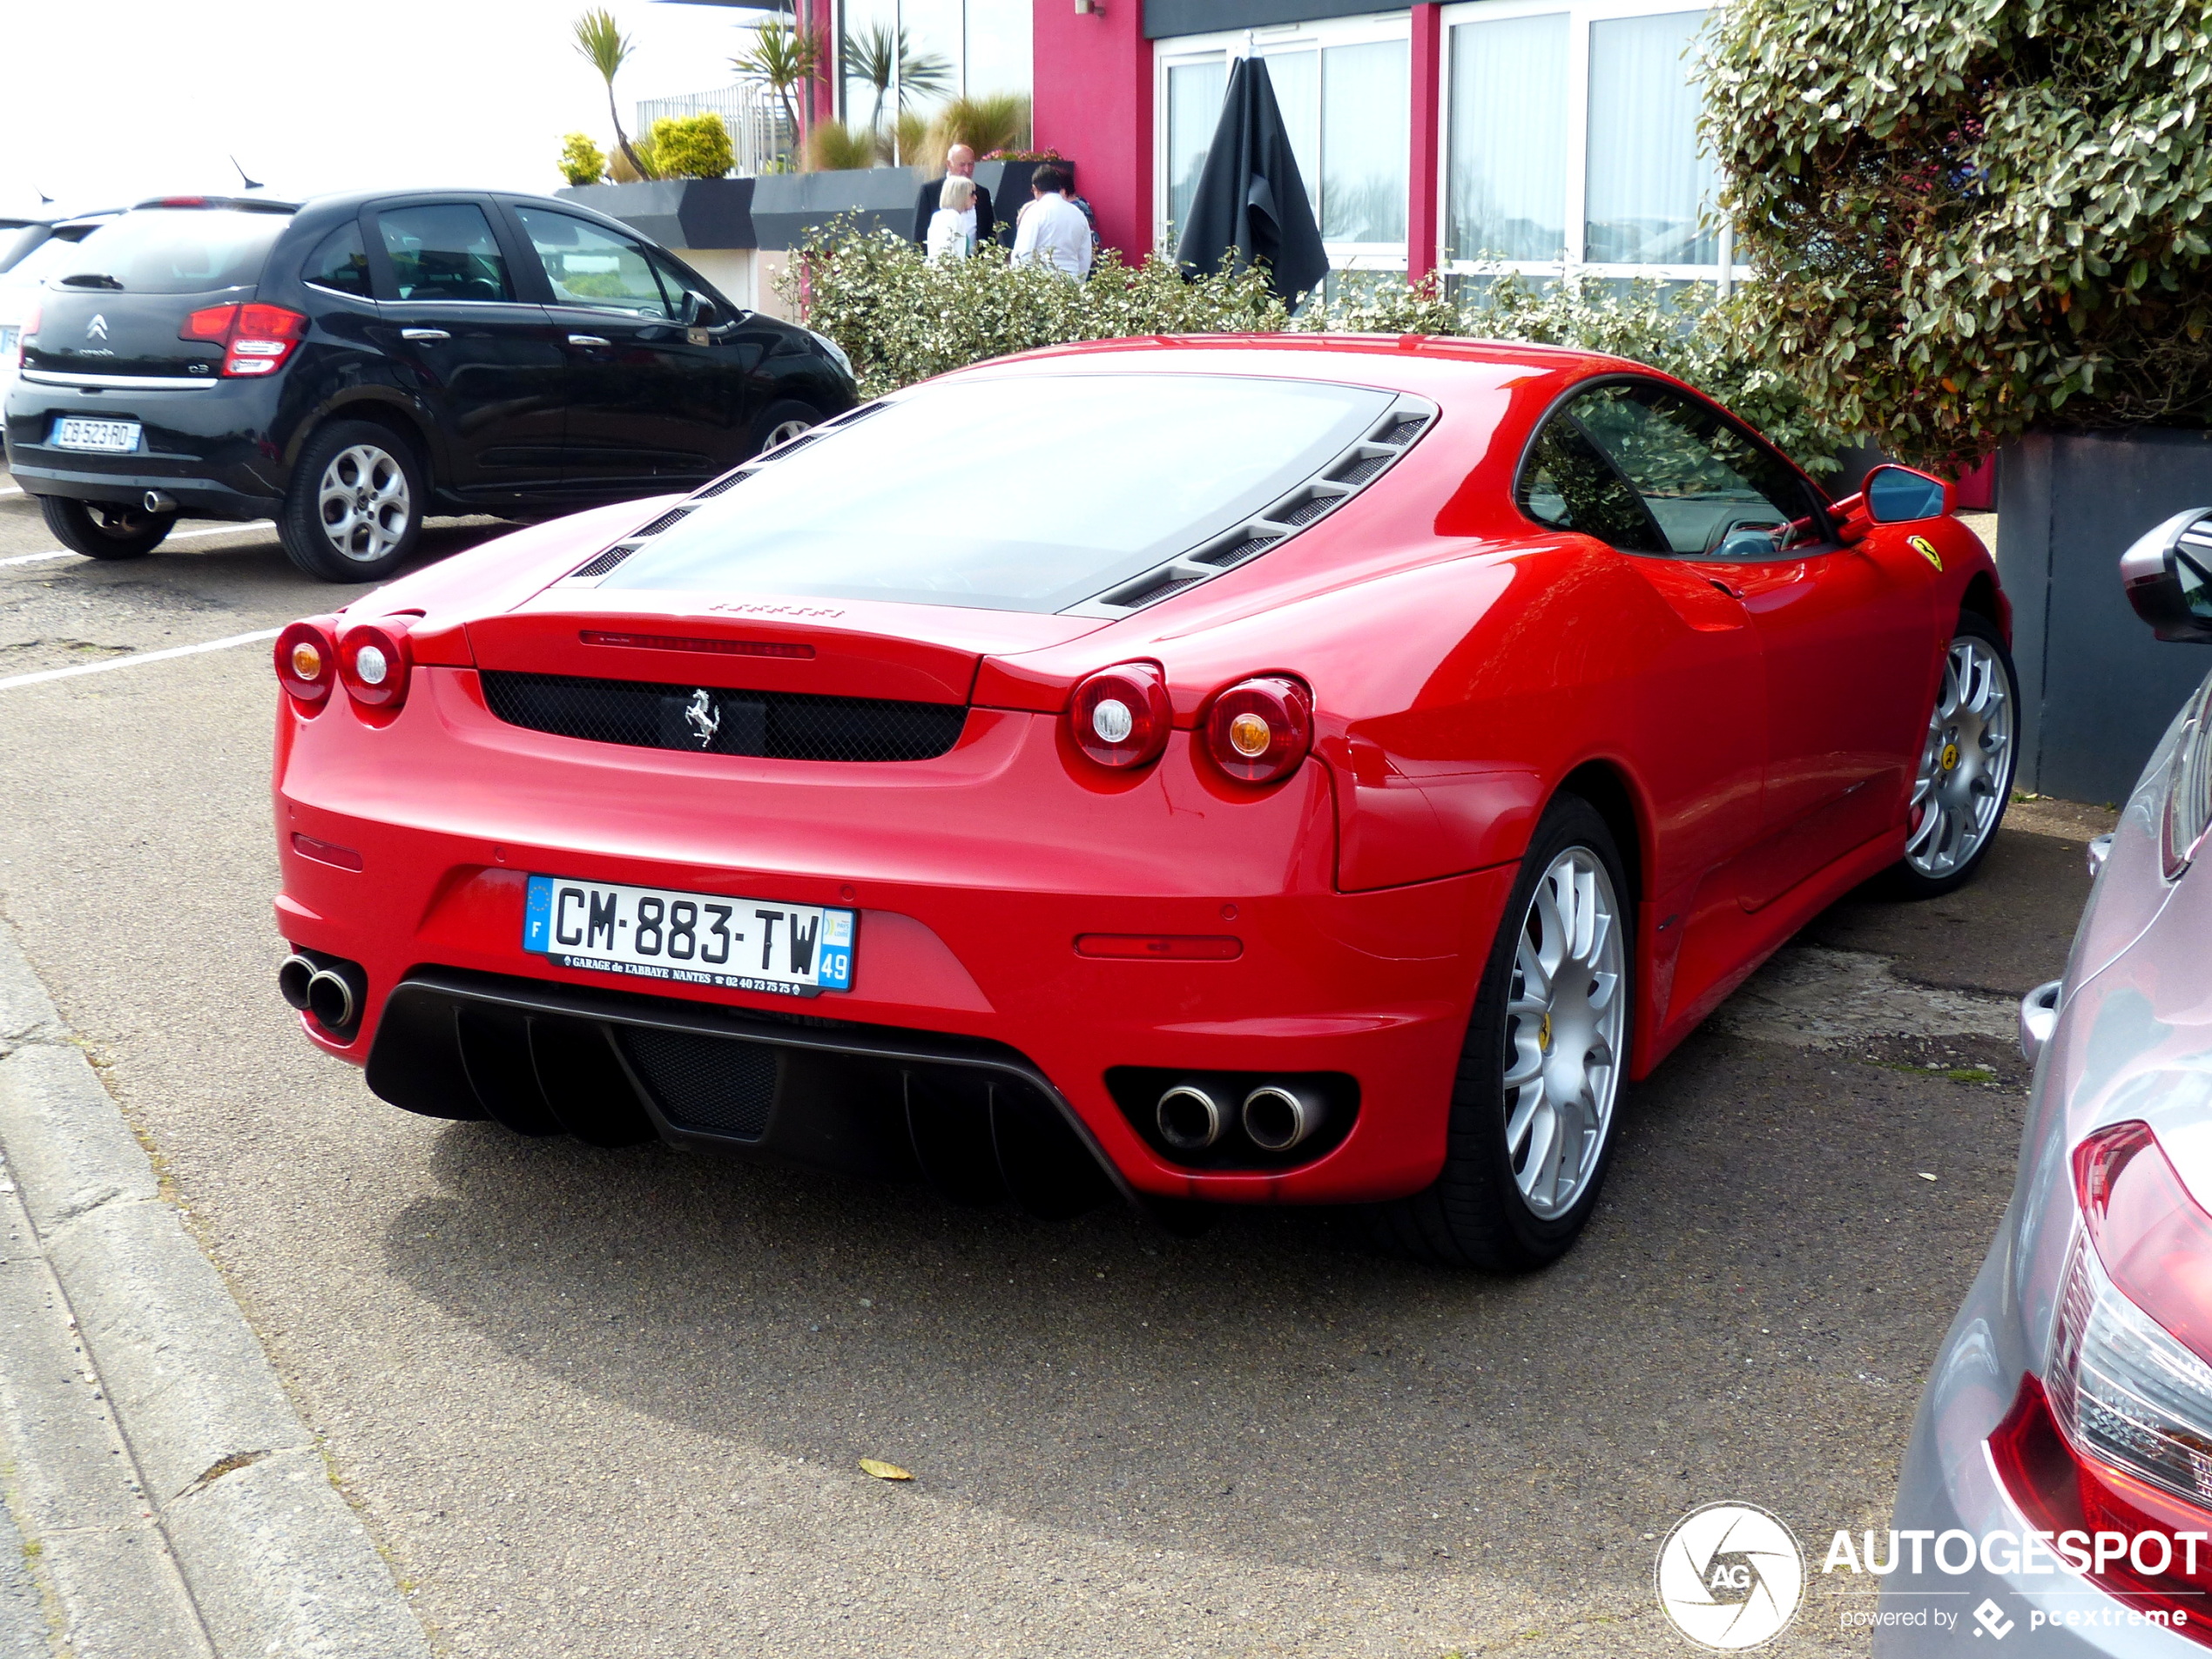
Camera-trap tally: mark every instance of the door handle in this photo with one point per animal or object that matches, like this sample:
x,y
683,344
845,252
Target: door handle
x,y
1733,593
424,333
587,340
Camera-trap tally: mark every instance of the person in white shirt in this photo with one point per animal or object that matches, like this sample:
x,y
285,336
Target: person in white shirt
x,y
1053,230
952,227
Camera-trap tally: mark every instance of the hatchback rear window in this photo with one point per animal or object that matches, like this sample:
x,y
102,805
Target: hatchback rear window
x,y
1030,494
175,249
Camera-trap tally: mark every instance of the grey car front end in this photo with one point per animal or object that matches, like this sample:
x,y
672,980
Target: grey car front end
x,y
2057,1494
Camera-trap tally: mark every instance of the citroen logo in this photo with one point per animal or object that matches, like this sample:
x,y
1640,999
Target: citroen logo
x,y
703,717
96,329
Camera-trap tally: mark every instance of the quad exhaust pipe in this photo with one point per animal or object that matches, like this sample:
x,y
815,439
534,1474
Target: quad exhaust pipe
x,y
331,992
1275,1117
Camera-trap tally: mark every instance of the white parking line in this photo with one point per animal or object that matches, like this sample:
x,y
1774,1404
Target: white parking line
x,y
177,536
43,675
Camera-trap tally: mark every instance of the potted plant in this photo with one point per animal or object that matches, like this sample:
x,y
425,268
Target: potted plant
x,y
1983,229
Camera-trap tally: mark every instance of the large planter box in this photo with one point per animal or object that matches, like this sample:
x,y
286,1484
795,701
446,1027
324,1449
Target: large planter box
x,y
788,206
678,212
2096,689
1008,183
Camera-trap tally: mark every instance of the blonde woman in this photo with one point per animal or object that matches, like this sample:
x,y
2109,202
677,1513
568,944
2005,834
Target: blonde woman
x,y
952,227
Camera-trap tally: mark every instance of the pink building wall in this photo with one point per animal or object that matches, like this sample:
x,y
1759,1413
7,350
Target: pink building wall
x,y
1094,105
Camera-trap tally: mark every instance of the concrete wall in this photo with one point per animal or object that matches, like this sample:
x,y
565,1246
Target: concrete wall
x,y
2096,689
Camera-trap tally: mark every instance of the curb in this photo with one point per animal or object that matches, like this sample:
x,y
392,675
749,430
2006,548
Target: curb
x,y
273,1558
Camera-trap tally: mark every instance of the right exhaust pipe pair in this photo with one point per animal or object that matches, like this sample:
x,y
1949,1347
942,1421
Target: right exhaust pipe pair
x,y
1277,1117
328,993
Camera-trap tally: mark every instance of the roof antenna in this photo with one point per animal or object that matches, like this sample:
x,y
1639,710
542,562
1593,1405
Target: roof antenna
x,y
251,184
44,200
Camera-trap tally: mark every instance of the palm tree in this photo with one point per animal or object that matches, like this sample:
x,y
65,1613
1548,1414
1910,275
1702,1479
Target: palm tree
x,y
876,57
783,59
600,39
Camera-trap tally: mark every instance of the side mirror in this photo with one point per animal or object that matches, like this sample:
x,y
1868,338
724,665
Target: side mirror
x,y
1898,495
2167,574
699,311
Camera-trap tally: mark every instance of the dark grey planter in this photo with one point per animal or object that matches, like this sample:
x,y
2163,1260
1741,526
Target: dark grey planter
x,y
2096,689
1008,183
788,206
678,212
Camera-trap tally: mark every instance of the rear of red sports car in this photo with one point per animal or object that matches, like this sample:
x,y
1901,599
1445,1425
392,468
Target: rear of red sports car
x,y
883,808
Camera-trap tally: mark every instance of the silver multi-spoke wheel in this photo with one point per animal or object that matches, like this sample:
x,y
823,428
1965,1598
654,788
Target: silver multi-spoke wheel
x,y
1565,1016
1967,765
783,432
364,502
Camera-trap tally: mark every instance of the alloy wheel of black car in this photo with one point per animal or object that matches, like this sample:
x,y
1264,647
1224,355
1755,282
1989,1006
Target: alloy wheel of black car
x,y
103,530
781,422
357,503
1535,1104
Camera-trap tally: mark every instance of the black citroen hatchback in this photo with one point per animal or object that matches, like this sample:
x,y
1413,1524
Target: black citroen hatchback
x,y
349,365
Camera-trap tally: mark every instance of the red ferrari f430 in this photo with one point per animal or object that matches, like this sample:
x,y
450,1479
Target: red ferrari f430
x,y
1239,771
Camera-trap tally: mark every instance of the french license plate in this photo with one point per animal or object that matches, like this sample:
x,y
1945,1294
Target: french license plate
x,y
116,437
690,938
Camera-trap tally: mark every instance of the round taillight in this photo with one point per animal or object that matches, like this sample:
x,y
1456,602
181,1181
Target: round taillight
x,y
1121,717
1260,730
373,661
307,660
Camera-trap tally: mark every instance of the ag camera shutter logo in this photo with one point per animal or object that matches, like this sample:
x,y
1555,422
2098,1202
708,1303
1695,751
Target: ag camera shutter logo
x,y
1729,1577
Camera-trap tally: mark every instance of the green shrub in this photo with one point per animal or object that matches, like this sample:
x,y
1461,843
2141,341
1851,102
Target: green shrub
x,y
581,162
984,125
902,320
691,147
833,147
1972,218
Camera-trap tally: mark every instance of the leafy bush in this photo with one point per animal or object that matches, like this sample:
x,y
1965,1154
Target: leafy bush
x,y
692,146
984,125
902,320
581,162
832,146
1972,218
620,170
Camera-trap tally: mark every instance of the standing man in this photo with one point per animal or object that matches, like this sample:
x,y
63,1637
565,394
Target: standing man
x,y
960,163
1053,230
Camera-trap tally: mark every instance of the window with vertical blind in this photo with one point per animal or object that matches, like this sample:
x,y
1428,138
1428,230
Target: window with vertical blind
x,y
1345,86
1570,142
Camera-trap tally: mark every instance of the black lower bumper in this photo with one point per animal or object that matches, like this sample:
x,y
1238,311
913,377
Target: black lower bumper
x,y
199,497
974,1118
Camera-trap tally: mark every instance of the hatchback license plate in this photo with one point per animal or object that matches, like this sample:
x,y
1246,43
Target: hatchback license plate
x,y
116,437
690,938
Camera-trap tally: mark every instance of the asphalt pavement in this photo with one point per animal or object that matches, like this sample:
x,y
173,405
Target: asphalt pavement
x,y
611,1403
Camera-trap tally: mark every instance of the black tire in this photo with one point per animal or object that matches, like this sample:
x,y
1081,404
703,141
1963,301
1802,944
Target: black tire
x,y
366,525
1917,875
1476,1214
781,422
103,530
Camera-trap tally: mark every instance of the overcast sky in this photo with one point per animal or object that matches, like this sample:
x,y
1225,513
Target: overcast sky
x,y
106,101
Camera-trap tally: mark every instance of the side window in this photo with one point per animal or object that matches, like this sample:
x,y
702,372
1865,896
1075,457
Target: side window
x,y
1712,490
591,267
1566,484
341,263
444,250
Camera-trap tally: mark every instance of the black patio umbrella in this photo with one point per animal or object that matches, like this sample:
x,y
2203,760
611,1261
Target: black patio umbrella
x,y
1250,204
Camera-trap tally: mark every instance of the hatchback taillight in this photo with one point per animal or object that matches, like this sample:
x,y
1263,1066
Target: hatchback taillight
x,y
23,334
374,664
307,662
1121,717
1260,730
256,339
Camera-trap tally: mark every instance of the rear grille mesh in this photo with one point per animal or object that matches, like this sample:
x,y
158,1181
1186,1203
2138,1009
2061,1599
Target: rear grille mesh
x,y
779,725
717,1084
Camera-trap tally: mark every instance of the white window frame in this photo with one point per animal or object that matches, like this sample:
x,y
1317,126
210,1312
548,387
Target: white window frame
x,y
1224,48
1581,15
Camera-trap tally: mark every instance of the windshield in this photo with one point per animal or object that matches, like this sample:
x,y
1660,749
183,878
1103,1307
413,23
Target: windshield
x,y
1032,494
173,250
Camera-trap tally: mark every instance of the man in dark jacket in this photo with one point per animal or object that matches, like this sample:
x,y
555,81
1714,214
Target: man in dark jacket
x,y
960,163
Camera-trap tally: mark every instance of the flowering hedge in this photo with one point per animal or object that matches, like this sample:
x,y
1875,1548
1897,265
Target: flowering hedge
x,y
1973,217
902,320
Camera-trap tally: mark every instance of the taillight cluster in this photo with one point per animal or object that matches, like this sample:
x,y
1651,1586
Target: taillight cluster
x,y
23,334
2111,1454
1257,731
371,659
256,339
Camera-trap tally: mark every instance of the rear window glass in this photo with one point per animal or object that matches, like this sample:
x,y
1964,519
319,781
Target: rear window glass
x,y
45,260
175,249
340,262
1009,495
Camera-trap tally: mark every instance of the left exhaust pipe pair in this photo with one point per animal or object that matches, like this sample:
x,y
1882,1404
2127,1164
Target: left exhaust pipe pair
x,y
332,994
1277,1117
